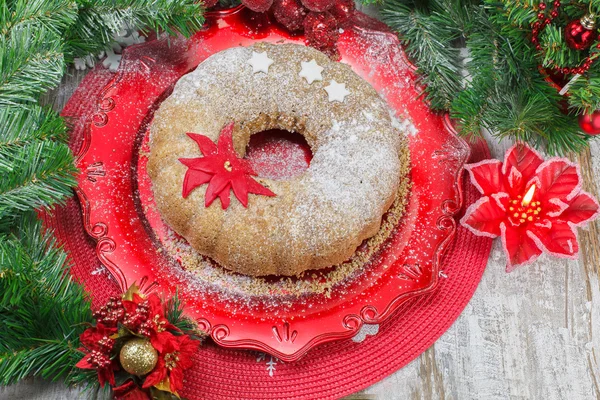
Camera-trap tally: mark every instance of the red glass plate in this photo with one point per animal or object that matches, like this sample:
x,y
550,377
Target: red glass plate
x,y
133,242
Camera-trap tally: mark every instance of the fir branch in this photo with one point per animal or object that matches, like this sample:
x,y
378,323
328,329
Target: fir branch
x,y
555,49
42,311
584,94
19,125
52,16
99,20
36,175
31,62
174,314
428,36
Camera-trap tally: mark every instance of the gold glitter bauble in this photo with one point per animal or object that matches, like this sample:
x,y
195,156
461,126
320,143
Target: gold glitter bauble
x,y
138,357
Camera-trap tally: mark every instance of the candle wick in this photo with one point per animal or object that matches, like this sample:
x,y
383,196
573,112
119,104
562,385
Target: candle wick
x,y
528,196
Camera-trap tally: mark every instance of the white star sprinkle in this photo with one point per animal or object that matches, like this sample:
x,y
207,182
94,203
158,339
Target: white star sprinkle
x,y
311,71
336,91
260,62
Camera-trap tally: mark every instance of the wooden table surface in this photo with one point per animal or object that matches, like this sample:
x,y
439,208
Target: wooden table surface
x,y
531,334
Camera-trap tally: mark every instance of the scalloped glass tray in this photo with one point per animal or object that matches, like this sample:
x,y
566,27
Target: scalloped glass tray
x,y
136,246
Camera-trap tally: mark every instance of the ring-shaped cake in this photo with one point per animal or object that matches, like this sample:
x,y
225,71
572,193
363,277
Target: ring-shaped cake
x,y
316,219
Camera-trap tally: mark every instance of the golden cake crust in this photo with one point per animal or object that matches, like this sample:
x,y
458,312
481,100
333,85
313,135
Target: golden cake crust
x,y
316,219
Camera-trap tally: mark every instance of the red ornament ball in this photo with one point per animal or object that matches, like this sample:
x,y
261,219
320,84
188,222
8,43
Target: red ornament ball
x,y
342,10
318,5
590,123
290,13
321,30
580,34
258,5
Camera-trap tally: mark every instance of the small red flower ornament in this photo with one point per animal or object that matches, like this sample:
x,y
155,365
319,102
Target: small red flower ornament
x,y
154,372
222,169
175,358
146,317
534,205
99,342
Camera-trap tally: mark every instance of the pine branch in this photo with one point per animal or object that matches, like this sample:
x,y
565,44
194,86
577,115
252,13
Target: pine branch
x,y
36,175
174,314
31,62
429,36
19,126
99,20
42,311
556,51
53,16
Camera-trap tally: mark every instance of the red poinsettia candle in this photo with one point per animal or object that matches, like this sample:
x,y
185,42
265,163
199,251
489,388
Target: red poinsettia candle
x,y
532,204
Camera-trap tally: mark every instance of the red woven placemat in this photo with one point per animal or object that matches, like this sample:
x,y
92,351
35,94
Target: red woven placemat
x,y
330,371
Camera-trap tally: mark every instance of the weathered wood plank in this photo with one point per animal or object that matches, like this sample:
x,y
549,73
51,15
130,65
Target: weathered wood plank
x,y
531,334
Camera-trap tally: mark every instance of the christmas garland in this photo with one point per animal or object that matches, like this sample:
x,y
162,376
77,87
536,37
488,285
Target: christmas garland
x,y
530,65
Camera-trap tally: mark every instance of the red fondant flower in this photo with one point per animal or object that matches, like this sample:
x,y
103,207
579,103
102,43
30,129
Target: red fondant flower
x,y
98,345
175,358
222,169
534,205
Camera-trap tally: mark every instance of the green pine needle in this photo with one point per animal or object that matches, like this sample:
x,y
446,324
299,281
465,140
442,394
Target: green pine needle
x,y
42,311
505,89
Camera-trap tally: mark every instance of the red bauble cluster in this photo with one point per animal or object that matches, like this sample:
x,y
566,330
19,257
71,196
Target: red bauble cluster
x,y
321,30
290,13
258,5
319,19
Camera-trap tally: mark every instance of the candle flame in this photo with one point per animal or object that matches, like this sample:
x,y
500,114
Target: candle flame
x,y
528,196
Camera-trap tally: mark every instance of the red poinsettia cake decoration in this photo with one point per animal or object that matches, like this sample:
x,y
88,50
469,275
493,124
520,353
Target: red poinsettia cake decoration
x,y
222,169
534,205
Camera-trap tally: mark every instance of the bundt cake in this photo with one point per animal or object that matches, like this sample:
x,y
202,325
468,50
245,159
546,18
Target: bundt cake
x,y
281,227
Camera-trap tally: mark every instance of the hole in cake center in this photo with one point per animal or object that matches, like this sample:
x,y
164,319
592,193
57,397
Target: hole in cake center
x,y
278,154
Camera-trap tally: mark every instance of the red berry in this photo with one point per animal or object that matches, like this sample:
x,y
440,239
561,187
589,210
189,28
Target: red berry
x,y
542,6
258,5
290,13
321,30
318,5
342,10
